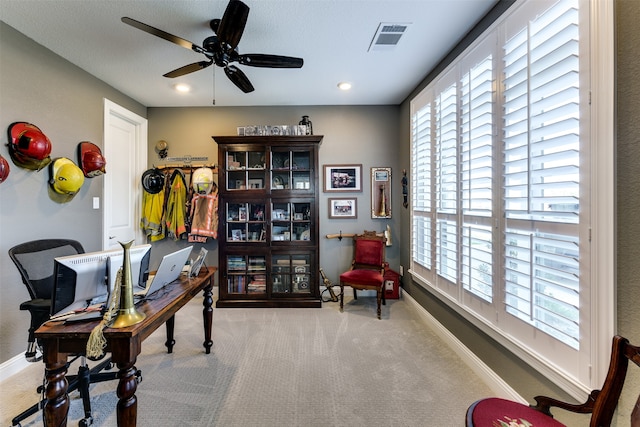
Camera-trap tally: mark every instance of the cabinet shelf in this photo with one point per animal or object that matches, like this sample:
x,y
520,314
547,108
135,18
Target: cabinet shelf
x,y
268,249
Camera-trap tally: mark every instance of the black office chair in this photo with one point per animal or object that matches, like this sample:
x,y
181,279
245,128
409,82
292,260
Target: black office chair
x,y
35,262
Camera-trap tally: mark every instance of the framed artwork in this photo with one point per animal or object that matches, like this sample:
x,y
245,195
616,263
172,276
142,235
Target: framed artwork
x,y
380,193
236,235
255,183
342,178
343,208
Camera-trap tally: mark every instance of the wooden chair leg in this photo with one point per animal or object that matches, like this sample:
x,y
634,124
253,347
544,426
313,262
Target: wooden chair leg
x,y
341,297
379,299
355,294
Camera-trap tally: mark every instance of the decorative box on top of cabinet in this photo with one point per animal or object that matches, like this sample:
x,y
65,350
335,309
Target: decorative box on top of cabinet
x,y
269,229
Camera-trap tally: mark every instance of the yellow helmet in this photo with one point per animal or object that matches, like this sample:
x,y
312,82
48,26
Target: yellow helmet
x,y
66,177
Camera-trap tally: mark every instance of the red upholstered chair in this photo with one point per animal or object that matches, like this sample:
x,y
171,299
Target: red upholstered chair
x,y
367,267
601,404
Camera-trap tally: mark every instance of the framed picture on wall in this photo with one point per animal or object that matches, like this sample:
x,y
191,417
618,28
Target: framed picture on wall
x,y
343,208
342,178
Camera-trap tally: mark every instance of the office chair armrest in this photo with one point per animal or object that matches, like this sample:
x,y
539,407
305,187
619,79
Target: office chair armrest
x,y
36,304
544,404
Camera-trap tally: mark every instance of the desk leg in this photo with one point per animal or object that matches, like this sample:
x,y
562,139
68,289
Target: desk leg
x,y
170,328
207,316
56,408
127,408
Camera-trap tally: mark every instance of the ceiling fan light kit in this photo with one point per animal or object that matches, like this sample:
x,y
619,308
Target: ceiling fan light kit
x,y
221,49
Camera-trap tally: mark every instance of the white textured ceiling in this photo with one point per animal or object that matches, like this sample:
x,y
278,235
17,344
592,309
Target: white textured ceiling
x,y
332,36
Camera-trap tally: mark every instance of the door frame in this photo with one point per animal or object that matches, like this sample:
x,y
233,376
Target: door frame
x,y
111,109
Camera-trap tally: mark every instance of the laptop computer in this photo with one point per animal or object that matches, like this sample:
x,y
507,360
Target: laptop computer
x,y
169,270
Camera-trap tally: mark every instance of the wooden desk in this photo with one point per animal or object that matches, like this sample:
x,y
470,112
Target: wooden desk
x,y
59,340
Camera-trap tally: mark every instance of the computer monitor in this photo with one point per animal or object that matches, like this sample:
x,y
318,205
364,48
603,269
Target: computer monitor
x,y
84,279
139,266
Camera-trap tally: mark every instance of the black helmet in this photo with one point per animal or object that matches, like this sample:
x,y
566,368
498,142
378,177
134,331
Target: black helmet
x,y
153,181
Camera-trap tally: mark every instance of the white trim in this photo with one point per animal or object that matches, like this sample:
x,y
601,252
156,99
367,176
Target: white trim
x,y
603,137
14,366
493,380
111,109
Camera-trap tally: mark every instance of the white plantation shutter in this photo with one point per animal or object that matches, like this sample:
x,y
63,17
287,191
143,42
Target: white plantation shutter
x,y
446,170
477,160
542,170
500,185
421,186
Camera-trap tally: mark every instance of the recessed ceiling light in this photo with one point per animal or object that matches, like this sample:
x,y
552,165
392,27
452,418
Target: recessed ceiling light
x,y
344,85
181,87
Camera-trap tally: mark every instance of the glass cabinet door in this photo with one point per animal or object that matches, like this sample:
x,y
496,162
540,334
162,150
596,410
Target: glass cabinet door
x,y
291,221
246,274
291,273
290,170
245,170
245,222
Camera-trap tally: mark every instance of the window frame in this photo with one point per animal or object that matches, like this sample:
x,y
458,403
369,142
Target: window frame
x,y
599,259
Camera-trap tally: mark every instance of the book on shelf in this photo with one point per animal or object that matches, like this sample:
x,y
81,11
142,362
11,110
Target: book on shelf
x,y
257,263
257,284
236,284
236,263
259,280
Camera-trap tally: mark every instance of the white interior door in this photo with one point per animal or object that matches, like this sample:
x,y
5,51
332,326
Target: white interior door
x,y
125,150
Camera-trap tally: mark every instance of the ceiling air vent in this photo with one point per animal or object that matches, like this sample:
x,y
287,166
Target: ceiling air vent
x,y
387,35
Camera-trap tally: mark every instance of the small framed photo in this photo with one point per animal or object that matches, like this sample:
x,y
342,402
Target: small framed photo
x,y
343,208
255,183
380,193
342,178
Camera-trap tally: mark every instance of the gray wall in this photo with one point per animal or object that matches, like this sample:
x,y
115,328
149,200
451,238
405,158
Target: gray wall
x,y
628,183
66,103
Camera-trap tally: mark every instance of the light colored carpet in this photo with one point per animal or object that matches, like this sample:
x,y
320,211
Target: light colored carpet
x,y
285,367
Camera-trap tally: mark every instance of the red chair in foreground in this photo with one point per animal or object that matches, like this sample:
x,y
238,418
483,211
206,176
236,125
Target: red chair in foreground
x,y
601,404
367,267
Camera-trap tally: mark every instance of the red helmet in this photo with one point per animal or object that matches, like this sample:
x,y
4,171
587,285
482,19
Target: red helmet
x,y
90,159
4,169
28,147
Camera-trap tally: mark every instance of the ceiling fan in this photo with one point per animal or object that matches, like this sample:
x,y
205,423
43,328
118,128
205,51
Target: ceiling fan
x,y
221,49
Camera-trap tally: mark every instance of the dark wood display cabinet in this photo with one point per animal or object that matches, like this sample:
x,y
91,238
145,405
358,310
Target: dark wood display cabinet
x,y
268,207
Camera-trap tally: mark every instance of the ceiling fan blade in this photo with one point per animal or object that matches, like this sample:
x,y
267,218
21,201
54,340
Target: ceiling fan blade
x,y
196,66
232,24
238,78
163,34
270,61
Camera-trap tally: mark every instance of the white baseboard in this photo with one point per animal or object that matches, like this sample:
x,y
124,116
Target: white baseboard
x,y
493,380
13,366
